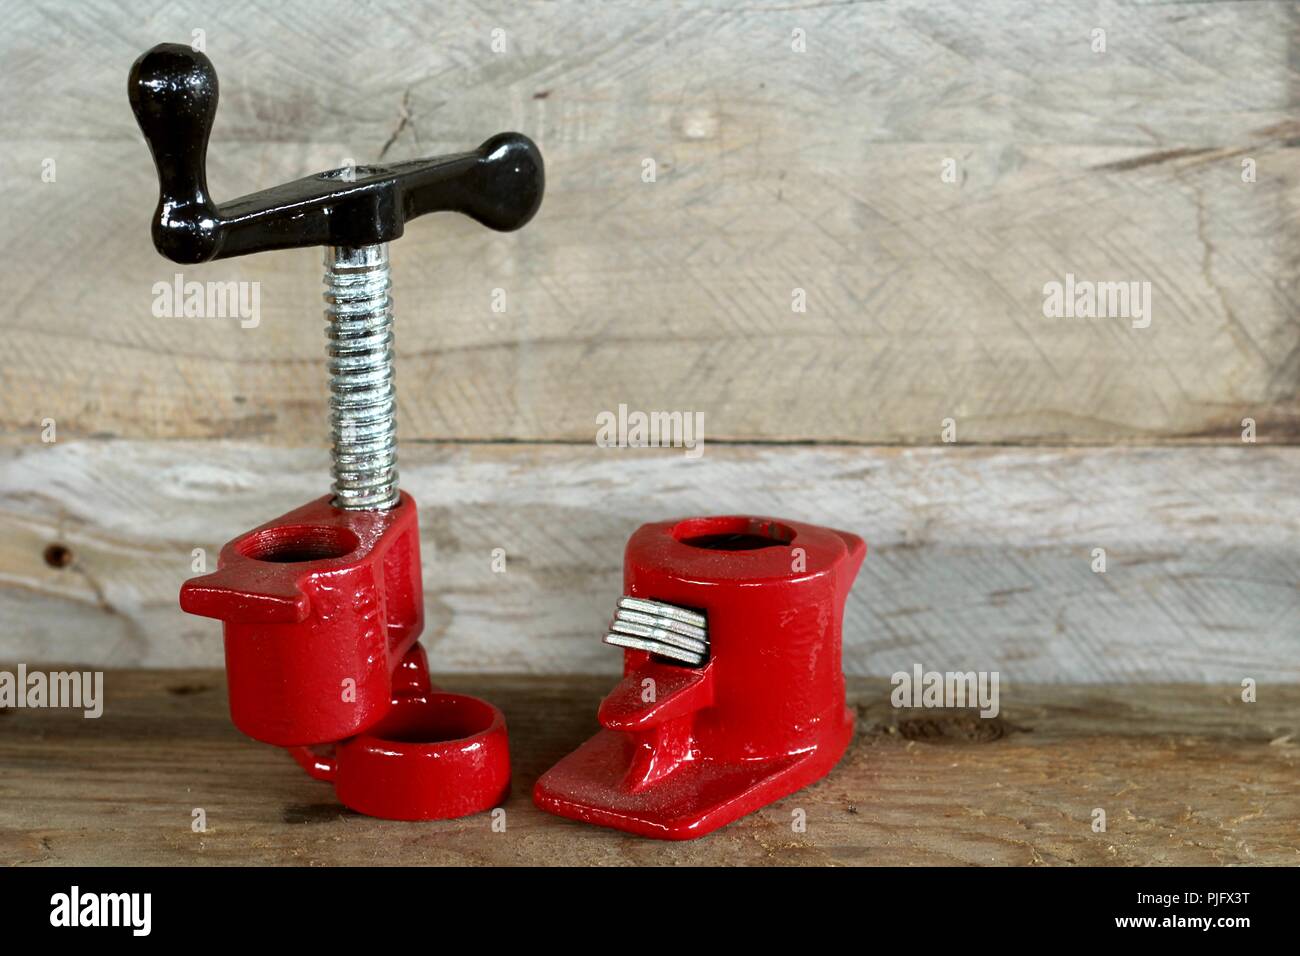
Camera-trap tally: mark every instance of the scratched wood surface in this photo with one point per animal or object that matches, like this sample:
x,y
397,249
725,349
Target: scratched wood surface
x,y
1185,774
980,558
776,170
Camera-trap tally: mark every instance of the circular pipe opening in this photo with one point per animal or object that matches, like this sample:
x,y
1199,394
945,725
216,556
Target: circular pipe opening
x,y
734,533
436,719
296,543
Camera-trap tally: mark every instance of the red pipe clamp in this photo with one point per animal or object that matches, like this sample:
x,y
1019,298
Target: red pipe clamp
x,y
733,690
733,694
323,606
322,609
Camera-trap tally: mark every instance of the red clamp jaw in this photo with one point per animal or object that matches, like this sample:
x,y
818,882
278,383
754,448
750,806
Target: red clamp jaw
x,y
323,608
319,606
688,749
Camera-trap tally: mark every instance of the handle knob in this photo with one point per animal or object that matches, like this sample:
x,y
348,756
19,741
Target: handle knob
x,y
173,91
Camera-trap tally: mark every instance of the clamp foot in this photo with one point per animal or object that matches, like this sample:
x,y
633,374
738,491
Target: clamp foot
x,y
698,798
754,607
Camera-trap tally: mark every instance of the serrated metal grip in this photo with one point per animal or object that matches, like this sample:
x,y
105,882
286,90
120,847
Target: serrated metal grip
x,y
665,630
363,423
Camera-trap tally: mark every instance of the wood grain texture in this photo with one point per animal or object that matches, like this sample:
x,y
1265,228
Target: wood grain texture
x,y
979,558
776,170
1186,775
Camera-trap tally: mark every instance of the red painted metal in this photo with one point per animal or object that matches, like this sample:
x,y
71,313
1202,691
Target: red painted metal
x,y
411,679
685,750
322,609
434,756
319,606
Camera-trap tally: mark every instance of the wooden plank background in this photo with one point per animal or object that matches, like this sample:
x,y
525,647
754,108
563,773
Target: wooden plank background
x,y
979,558
777,170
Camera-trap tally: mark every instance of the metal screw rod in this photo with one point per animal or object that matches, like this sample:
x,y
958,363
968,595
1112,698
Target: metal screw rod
x,y
362,401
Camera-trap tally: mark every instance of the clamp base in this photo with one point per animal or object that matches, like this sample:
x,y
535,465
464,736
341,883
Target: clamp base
x,y
589,785
687,749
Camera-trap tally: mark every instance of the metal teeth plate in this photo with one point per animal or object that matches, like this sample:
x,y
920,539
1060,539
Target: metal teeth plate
x,y
665,630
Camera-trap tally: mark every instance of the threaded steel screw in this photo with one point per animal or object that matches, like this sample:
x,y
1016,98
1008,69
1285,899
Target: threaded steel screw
x,y
362,401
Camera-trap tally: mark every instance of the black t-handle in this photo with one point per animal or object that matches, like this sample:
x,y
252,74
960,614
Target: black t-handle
x,y
173,91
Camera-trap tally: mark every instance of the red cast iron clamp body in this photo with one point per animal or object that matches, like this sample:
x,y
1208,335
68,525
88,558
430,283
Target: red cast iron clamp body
x,y
320,607
323,607
687,749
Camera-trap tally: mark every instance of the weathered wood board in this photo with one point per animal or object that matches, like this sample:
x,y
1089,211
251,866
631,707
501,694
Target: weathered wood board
x,y
1186,775
776,170
979,558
